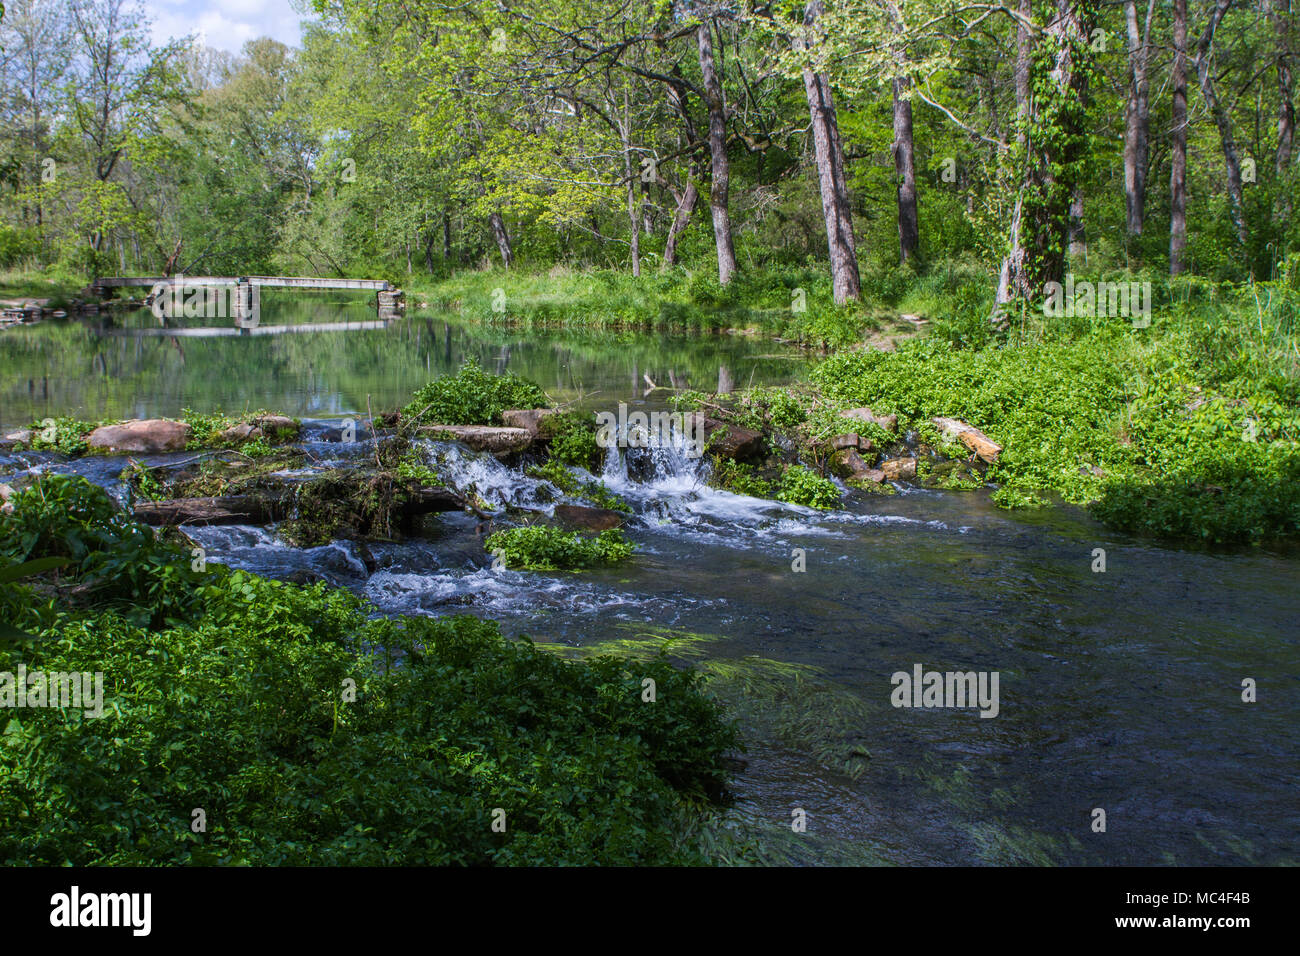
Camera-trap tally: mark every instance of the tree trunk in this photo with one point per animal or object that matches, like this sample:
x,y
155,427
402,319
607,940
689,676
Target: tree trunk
x,y
1222,120
834,190
1137,118
1178,148
686,204
721,172
502,237
1286,103
446,235
633,213
905,171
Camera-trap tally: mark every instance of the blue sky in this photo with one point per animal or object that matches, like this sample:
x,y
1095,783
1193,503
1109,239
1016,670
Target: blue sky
x,y
225,24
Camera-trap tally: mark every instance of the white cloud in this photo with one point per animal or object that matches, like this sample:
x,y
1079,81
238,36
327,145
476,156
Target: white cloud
x,y
224,24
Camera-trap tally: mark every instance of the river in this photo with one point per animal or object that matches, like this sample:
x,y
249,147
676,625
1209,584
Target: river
x,y
1119,691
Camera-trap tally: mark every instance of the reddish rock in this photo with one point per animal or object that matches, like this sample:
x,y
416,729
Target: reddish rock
x,y
142,436
732,441
583,518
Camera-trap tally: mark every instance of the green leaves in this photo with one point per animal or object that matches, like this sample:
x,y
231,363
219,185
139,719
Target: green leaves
x,y
802,486
472,397
543,548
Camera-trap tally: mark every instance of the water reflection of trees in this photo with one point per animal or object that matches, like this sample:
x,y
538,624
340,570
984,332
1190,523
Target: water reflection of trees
x,y
120,366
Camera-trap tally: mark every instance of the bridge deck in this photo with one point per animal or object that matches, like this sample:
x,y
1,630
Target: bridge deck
x,y
286,282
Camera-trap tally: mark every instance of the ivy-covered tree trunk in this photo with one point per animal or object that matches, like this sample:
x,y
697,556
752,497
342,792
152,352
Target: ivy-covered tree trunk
x,y
1051,151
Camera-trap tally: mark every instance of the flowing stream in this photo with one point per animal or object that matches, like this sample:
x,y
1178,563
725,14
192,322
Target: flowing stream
x,y
1119,691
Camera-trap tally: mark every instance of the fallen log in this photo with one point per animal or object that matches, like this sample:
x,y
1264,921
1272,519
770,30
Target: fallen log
x,y
273,506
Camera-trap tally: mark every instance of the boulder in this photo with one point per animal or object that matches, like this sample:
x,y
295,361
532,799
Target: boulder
x,y
850,440
583,518
240,432
732,441
898,469
983,447
888,422
848,464
21,437
529,419
142,436
490,438
277,426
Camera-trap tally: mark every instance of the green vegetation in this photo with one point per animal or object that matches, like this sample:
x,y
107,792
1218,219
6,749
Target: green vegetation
x,y
63,434
573,440
802,486
472,397
544,548
737,478
596,492
1188,429
311,732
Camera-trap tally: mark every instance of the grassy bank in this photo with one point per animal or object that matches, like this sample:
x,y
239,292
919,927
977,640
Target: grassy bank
x,y
1187,429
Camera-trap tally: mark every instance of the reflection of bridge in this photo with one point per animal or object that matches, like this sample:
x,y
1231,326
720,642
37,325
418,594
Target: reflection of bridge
x,y
208,332
247,289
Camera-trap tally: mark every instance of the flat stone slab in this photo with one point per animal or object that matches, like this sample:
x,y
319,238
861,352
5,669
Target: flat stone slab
x,y
499,440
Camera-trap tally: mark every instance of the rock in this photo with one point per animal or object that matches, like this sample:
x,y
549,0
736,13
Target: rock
x,y
6,492
849,440
847,463
277,427
491,438
239,432
898,469
589,519
874,475
147,436
974,439
732,441
527,418
21,437
888,422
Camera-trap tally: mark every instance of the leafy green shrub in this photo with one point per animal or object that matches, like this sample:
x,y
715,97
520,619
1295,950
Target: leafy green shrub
x,y
543,548
738,478
117,560
573,439
64,434
249,713
472,397
801,486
